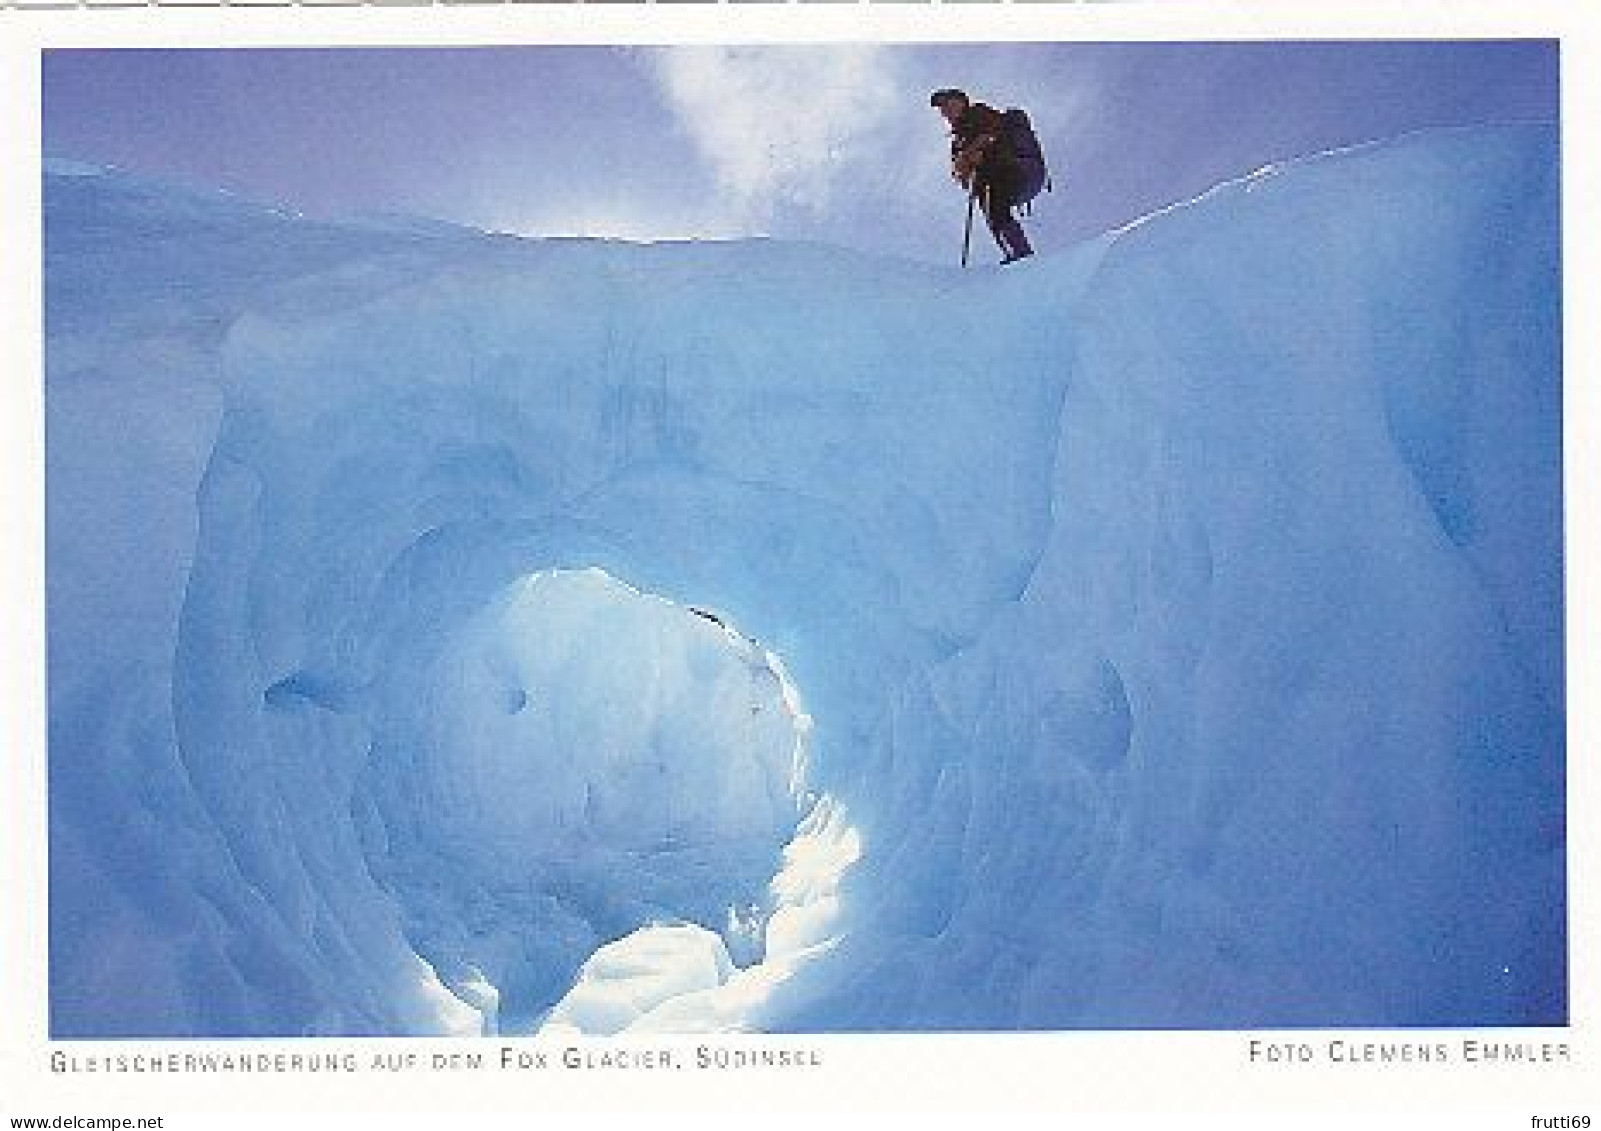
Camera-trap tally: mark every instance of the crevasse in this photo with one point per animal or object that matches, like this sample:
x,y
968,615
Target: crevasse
x,y
1177,619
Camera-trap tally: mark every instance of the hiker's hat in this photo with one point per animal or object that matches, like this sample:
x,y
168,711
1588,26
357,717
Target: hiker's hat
x,y
940,97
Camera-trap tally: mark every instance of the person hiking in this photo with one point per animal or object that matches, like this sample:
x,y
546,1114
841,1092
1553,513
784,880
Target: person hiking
x,y
986,162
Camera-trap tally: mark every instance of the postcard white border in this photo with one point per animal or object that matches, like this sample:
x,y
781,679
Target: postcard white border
x,y
1179,1074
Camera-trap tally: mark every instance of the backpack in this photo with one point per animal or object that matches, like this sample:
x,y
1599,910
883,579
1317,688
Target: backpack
x,y
1020,135
1025,145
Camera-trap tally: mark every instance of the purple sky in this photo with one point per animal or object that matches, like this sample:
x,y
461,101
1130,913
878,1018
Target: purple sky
x,y
833,144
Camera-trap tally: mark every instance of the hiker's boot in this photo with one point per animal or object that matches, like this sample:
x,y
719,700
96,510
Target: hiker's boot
x,y
1014,240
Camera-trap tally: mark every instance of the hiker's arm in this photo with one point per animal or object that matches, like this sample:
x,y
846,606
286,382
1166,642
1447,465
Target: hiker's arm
x,y
971,156
976,135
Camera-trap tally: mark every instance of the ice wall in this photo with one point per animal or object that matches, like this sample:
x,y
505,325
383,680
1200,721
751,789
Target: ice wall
x,y
1177,620
1283,699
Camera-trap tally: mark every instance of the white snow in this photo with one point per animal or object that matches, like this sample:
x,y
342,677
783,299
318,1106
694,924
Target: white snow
x,y
1163,633
628,978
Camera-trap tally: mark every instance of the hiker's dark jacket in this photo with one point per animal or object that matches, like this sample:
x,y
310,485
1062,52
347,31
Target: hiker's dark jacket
x,y
984,160
978,140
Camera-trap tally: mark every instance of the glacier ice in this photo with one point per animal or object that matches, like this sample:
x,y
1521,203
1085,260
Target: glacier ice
x,y
579,760
454,634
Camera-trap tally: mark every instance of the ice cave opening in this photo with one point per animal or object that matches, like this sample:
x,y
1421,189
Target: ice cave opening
x,y
584,760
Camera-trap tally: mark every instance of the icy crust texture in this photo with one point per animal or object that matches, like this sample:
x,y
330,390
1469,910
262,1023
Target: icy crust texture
x,y
509,634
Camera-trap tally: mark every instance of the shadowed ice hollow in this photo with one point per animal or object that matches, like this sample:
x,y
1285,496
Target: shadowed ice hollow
x,y
585,759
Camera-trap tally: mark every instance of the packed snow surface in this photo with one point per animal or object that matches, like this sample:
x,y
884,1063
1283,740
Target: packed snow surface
x,y
459,634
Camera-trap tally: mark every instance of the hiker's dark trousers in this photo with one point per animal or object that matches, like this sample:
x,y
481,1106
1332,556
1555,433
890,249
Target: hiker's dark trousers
x,y
1002,189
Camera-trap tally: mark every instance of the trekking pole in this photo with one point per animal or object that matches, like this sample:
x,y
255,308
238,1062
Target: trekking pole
x,y
967,234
